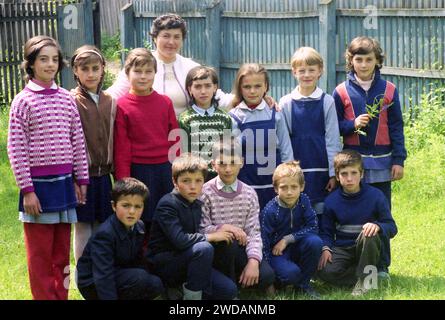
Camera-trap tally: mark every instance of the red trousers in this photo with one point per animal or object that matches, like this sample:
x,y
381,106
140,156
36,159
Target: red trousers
x,y
48,252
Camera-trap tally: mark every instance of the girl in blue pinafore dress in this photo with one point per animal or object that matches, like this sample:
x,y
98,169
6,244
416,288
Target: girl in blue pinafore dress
x,y
264,136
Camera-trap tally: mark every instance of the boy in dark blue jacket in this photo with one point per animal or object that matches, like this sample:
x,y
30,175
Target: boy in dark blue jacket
x,y
112,265
289,230
179,254
356,217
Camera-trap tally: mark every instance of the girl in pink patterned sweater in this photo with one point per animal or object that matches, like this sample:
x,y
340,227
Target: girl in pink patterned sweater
x,y
46,150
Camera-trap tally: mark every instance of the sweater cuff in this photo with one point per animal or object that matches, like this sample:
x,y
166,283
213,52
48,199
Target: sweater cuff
x,y
398,161
82,182
289,239
326,248
27,190
256,257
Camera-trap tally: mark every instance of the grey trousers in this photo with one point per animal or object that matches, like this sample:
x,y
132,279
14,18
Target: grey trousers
x,y
349,263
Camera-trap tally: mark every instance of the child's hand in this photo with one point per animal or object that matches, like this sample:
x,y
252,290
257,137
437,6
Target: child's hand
x,y
219,236
251,273
326,256
396,172
81,193
272,103
332,183
279,248
238,233
31,204
361,121
370,229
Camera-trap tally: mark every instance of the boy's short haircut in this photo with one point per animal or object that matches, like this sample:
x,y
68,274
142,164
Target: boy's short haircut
x,y
188,163
139,57
288,169
306,55
347,158
227,148
128,187
364,45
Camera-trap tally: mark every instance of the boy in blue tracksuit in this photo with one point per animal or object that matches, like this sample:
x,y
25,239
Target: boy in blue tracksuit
x,y
289,230
356,218
312,122
376,134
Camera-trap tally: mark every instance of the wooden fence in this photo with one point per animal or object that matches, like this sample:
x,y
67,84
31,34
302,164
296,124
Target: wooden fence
x,y
109,15
22,20
18,23
227,33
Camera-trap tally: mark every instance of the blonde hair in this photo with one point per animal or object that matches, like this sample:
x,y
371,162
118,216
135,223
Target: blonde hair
x,y
288,169
306,55
364,45
247,69
139,57
188,162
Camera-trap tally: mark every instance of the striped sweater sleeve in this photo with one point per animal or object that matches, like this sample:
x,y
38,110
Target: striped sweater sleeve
x,y
252,228
206,225
18,147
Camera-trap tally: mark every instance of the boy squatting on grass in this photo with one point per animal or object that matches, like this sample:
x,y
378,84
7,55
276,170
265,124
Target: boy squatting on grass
x,y
231,205
112,266
289,229
355,219
178,252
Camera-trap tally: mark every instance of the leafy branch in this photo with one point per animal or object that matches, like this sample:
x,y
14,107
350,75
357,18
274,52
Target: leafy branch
x,y
374,110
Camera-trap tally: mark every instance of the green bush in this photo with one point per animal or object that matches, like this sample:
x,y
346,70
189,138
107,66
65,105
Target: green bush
x,y
109,79
425,121
111,46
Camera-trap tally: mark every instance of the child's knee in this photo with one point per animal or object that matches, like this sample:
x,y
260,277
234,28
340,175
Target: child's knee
x,y
203,249
314,243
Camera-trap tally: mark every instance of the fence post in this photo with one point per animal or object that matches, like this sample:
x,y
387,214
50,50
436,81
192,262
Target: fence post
x,y
327,43
127,29
213,34
88,21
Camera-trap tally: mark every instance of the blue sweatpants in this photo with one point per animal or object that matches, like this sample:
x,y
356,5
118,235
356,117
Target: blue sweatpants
x,y
299,261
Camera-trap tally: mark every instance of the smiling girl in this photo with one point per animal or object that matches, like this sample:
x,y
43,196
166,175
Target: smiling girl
x,y
264,135
46,149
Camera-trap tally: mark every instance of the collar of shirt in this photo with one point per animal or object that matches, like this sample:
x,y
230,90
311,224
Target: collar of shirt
x,y
366,85
202,111
220,185
35,87
282,204
296,95
261,106
94,96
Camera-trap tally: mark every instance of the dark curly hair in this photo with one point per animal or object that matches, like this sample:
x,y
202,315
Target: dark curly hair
x,y
167,22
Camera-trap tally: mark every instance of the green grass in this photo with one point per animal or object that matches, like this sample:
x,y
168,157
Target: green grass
x,y
417,251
